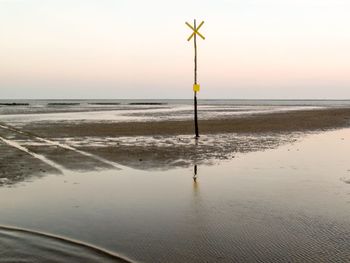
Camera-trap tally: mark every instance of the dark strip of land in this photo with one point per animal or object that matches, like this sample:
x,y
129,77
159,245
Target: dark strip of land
x,y
14,104
147,103
292,121
63,104
104,103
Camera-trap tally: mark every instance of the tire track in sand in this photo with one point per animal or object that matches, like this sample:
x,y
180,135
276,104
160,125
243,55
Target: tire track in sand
x,y
35,155
53,143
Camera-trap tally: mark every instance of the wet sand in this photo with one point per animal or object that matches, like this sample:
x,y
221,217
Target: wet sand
x,y
155,145
304,120
279,194
16,166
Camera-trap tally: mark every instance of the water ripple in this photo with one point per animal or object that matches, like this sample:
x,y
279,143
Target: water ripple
x,y
23,245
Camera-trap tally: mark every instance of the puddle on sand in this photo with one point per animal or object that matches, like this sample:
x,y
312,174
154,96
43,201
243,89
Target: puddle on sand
x,y
286,204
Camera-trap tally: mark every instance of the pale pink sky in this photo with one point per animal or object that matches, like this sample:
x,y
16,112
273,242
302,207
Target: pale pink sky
x,y
138,49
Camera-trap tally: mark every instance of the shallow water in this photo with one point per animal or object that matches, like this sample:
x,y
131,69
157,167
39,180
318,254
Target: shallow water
x,y
21,245
286,204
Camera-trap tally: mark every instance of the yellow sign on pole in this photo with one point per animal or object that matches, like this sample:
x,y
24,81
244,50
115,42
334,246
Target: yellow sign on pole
x,y
196,87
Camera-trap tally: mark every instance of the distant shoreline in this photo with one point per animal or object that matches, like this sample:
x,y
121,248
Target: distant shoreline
x,y
140,99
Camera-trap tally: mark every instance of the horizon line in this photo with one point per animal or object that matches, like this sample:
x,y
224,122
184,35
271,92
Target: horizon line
x,y
281,99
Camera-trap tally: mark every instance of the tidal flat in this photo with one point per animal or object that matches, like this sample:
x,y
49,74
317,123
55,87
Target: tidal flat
x,y
265,187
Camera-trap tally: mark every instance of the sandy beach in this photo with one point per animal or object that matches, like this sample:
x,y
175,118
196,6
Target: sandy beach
x,y
292,121
153,144
128,184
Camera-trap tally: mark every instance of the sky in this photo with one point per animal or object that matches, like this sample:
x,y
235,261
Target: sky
x,y
114,49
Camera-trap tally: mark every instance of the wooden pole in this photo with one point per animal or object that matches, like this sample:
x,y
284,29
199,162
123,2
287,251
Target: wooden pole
x,y
195,82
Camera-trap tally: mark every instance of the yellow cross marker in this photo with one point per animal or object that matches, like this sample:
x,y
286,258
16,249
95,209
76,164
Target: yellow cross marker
x,y
195,31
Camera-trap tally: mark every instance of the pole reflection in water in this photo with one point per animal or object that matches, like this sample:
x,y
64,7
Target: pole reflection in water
x,y
195,173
